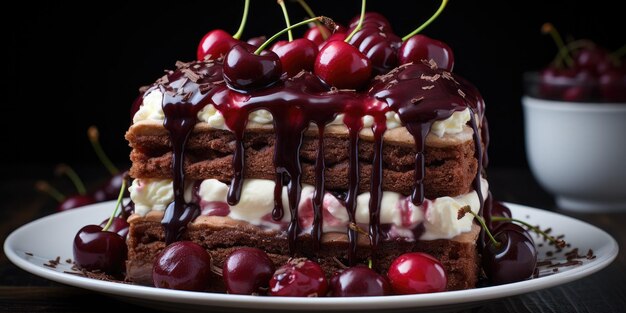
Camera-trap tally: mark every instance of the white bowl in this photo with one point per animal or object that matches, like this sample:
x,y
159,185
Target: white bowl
x,y
577,151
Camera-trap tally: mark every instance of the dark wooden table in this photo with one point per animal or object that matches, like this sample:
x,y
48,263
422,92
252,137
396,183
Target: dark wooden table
x,y
22,292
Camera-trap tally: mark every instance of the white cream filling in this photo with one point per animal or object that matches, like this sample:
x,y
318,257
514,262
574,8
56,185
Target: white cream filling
x,y
151,110
439,216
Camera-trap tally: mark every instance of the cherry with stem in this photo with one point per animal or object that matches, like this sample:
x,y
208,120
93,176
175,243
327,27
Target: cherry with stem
x,y
217,43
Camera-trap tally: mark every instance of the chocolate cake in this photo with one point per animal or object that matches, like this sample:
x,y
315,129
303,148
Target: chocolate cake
x,y
301,169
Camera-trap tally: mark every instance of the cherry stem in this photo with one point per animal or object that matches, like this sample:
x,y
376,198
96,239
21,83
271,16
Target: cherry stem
x,y
481,221
94,138
308,10
430,20
360,24
268,41
286,15
117,206
563,55
370,263
49,190
557,242
64,169
239,32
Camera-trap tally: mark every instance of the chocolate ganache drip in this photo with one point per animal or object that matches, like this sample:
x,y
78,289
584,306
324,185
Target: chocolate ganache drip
x,y
184,95
419,93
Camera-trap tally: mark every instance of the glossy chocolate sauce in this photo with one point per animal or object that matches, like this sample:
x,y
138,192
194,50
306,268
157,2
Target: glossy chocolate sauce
x,y
419,93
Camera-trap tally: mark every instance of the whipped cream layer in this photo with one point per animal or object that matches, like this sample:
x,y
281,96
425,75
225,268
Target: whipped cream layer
x,y
399,215
151,109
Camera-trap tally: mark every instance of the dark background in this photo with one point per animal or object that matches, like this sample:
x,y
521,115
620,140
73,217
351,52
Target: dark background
x,y
65,71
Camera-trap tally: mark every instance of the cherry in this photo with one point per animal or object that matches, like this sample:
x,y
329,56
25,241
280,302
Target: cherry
x,y
246,71
256,41
317,34
495,208
416,48
217,43
613,85
342,65
417,272
183,265
360,281
420,47
95,249
372,17
296,56
75,201
119,225
299,278
589,59
247,271
511,258
378,46
110,189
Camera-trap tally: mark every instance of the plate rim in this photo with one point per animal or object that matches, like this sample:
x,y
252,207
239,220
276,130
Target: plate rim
x,y
206,299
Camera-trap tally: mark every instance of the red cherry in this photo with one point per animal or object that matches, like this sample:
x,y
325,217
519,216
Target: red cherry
x,y
183,265
420,47
118,225
590,58
360,281
296,55
299,278
110,189
613,86
378,46
256,41
246,71
246,271
340,36
75,201
371,17
315,34
417,272
342,65
95,249
215,43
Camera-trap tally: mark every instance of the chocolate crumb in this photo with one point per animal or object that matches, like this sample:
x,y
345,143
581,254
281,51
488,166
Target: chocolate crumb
x,y
556,269
28,253
68,261
549,253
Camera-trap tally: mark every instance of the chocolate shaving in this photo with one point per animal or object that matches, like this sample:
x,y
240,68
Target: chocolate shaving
x,y
428,87
416,100
28,253
181,65
430,78
461,93
193,76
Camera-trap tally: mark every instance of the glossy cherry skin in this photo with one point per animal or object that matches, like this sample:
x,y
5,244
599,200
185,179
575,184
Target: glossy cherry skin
x,y
379,47
118,225
514,260
75,201
420,47
371,17
183,265
496,209
360,281
417,272
299,278
256,41
215,43
296,56
245,71
342,65
315,35
247,271
95,249
594,60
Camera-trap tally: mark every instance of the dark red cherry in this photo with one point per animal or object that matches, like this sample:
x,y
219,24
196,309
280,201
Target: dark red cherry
x,y
360,281
341,36
496,208
589,58
256,41
513,260
296,56
110,189
299,278
317,33
246,71
379,47
371,17
183,265
95,249
75,201
577,93
613,85
118,225
342,65
215,43
246,271
417,272
420,47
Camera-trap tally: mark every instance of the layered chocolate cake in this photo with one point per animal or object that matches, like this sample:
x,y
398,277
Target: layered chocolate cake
x,y
300,168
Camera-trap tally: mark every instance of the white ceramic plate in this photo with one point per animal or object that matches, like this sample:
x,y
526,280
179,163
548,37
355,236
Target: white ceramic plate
x,y
53,235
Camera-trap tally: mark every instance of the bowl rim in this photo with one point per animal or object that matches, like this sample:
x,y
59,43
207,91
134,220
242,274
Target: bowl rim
x,y
555,105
